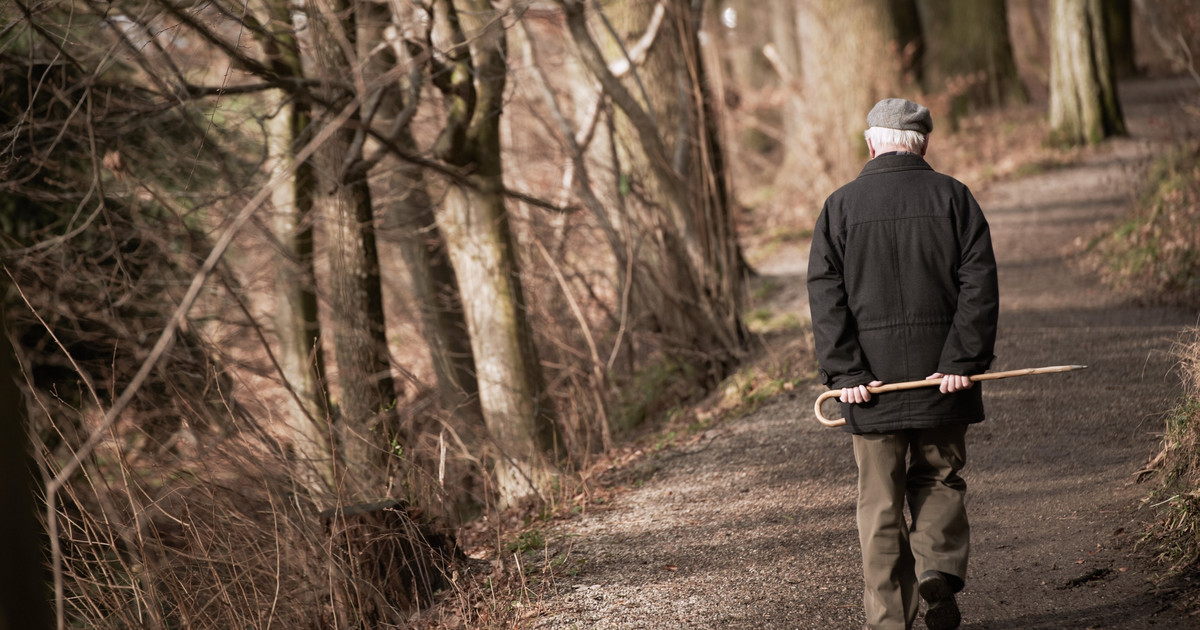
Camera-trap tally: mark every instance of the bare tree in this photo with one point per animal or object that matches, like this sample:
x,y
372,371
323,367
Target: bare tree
x,y
1083,89
297,328
472,76
409,219
107,217
686,284
368,395
410,216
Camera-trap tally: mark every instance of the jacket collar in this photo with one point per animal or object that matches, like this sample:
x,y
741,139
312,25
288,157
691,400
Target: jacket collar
x,y
889,162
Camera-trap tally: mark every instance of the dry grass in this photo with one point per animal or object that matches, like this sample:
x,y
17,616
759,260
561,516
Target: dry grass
x,y
1176,532
222,536
1154,255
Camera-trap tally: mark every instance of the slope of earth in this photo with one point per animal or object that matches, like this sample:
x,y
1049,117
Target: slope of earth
x,y
751,524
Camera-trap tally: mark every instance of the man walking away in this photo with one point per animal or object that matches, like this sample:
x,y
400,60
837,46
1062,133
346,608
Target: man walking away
x,y
902,286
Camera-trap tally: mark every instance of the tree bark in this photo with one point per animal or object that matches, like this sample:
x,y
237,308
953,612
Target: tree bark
x,y
969,54
1118,17
410,221
516,410
368,428
1083,91
25,594
435,290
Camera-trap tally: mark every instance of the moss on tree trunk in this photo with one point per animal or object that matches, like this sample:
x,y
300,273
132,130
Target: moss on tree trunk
x,y
1083,92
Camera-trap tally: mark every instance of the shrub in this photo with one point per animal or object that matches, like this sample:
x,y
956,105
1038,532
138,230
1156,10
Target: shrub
x,y
1154,255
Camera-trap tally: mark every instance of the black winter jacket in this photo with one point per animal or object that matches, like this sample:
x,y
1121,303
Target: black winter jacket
x,y
902,284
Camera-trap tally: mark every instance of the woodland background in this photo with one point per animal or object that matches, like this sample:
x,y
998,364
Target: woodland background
x,y
300,294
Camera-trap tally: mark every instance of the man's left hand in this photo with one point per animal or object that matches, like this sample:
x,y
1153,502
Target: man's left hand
x,y
952,382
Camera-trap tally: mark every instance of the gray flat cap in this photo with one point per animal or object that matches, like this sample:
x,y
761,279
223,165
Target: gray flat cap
x,y
898,113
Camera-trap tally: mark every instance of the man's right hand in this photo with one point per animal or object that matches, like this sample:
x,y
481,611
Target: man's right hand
x,y
951,382
858,395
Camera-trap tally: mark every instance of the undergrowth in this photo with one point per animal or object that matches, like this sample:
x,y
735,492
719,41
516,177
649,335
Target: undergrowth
x,y
1176,531
1154,254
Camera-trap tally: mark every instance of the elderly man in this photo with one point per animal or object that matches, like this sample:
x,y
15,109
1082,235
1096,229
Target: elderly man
x,y
902,286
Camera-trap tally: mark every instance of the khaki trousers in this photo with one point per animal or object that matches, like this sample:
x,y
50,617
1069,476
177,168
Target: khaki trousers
x,y
920,466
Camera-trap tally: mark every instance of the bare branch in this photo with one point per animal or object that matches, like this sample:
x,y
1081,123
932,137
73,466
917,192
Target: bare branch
x,y
627,64
294,84
580,178
642,122
167,338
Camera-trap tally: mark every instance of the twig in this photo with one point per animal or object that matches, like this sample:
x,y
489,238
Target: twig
x,y
578,170
48,243
597,372
1187,57
51,513
647,40
165,340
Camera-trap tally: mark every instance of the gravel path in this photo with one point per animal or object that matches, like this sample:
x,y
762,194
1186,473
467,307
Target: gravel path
x,y
751,524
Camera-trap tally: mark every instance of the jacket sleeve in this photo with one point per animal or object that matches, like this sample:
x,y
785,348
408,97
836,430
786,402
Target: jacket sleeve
x,y
835,333
972,340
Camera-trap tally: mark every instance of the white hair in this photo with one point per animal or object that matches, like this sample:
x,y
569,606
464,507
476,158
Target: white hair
x,y
912,141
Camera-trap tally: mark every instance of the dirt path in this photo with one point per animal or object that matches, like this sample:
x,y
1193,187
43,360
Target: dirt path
x,y
751,525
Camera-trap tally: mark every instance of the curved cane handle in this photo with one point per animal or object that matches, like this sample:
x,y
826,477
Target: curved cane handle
x,y
836,422
932,382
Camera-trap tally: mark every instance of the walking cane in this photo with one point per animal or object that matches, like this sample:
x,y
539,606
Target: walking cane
x,y
933,382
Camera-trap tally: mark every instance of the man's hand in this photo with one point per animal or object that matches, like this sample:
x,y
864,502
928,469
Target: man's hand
x,y
858,395
952,382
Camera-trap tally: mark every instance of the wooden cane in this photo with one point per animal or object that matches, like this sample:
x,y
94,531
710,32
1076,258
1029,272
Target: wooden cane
x,y
933,382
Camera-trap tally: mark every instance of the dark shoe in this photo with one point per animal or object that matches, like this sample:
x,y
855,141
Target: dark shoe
x,y
942,613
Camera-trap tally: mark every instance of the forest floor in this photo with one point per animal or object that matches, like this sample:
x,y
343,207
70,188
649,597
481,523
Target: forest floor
x,y
749,523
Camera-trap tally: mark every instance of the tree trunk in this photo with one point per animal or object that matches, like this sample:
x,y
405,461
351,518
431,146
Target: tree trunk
x,y
435,290
687,281
367,390
295,313
847,63
1118,18
785,46
713,198
1029,30
409,220
969,55
910,39
1083,90
512,394
296,326
368,394
25,593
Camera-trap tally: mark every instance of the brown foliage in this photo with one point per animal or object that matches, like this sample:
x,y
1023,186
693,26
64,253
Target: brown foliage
x,y
1154,255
